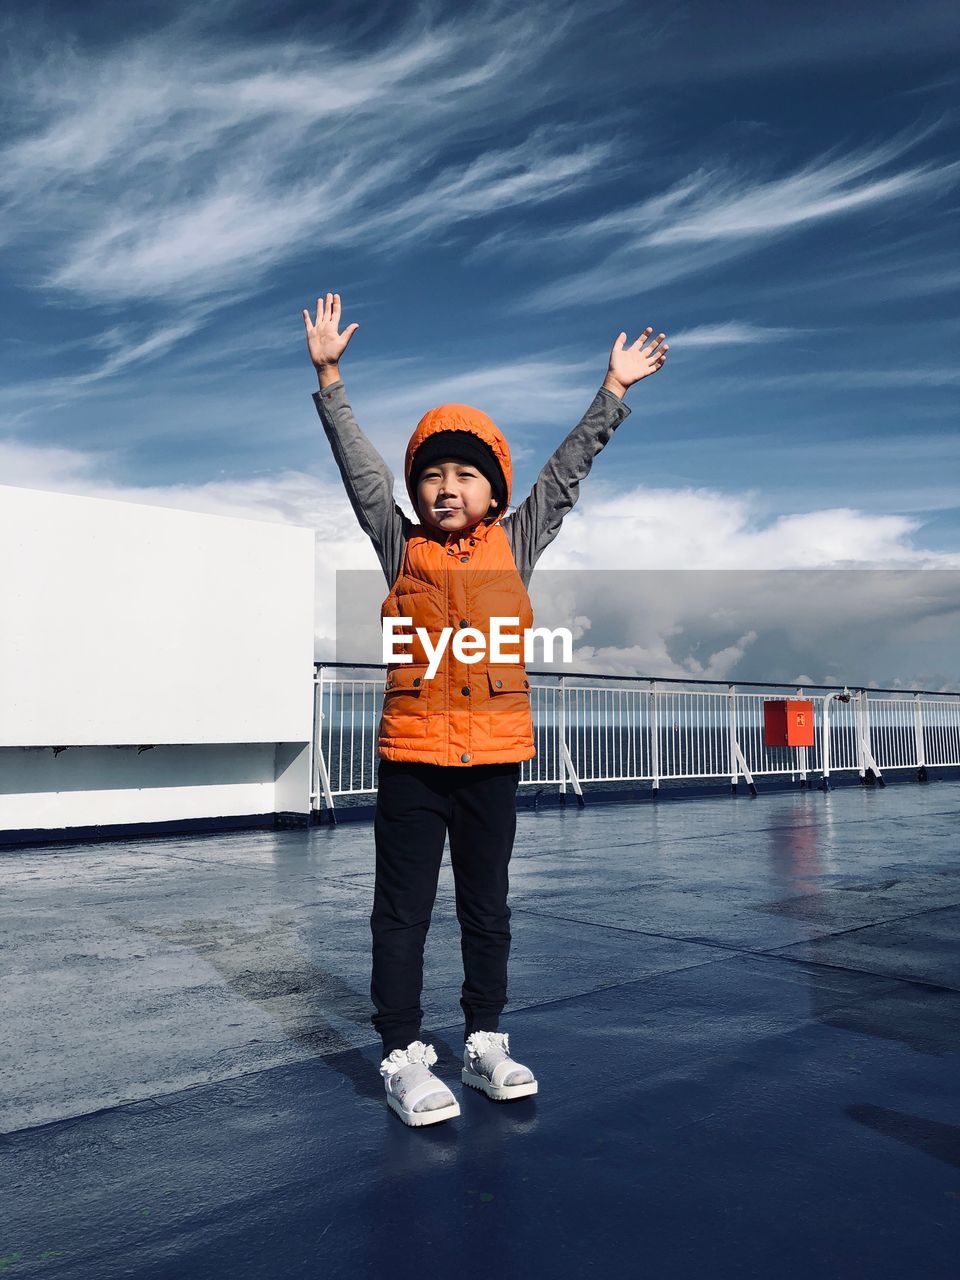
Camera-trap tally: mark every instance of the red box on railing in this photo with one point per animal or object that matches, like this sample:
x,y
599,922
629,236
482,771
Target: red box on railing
x,y
788,723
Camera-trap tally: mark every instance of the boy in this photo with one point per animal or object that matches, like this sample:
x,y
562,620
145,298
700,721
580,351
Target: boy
x,y
450,745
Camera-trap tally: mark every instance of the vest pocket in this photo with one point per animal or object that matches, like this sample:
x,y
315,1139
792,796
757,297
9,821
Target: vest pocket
x,y
406,699
508,677
508,712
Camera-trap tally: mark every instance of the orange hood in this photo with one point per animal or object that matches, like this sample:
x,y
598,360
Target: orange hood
x,y
460,417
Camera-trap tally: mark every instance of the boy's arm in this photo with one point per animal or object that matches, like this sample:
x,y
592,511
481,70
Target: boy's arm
x,y
367,478
536,522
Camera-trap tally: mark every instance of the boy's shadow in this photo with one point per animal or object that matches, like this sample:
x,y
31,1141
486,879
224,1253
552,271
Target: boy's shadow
x,y
264,969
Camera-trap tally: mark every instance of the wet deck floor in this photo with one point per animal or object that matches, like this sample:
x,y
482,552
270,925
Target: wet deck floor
x,y
744,1015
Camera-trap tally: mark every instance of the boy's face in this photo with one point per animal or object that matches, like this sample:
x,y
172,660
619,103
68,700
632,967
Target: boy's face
x,y
462,493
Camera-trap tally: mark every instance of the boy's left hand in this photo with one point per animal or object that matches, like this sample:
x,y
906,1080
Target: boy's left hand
x,y
629,364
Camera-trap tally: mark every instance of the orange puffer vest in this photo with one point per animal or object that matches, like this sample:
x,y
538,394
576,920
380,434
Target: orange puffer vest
x,y
468,713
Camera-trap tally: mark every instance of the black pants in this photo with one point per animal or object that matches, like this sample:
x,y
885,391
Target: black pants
x,y
417,804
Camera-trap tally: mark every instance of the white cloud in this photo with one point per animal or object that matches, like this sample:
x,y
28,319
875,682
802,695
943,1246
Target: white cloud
x,y
694,584
891,628
637,603
655,528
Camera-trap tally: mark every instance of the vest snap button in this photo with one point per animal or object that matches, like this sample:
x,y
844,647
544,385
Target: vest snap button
x,y
464,559
417,680
465,757
473,542
499,684
526,684
464,622
465,690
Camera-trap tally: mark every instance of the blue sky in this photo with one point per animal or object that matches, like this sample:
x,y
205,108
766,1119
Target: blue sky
x,y
496,191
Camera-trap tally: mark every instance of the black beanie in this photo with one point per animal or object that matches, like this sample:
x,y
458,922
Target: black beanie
x,y
468,446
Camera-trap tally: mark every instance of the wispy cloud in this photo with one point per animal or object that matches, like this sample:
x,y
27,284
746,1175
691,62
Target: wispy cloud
x,y
720,209
520,175
716,214
564,381
732,333
124,352
177,171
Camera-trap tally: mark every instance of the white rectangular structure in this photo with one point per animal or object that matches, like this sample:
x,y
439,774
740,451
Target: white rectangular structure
x,y
124,625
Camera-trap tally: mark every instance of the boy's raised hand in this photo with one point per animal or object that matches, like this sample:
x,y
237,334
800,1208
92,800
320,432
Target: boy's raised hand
x,y
629,364
324,341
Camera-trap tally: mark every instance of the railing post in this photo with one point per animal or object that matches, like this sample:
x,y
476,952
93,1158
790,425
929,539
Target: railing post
x,y
802,756
567,760
861,761
320,774
732,743
654,738
869,769
825,743
313,746
868,735
738,761
918,738
561,738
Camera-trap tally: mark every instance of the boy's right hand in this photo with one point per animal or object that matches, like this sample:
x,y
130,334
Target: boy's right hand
x,y
324,341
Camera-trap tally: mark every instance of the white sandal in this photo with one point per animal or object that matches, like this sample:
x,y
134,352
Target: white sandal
x,y
487,1064
408,1080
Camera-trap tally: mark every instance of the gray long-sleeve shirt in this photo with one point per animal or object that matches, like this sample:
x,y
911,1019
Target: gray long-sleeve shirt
x,y
530,528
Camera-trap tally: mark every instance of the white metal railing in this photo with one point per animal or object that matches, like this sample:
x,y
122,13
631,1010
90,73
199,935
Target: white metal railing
x,y
630,729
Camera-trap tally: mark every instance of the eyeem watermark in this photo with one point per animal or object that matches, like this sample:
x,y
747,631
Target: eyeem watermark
x,y
469,643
